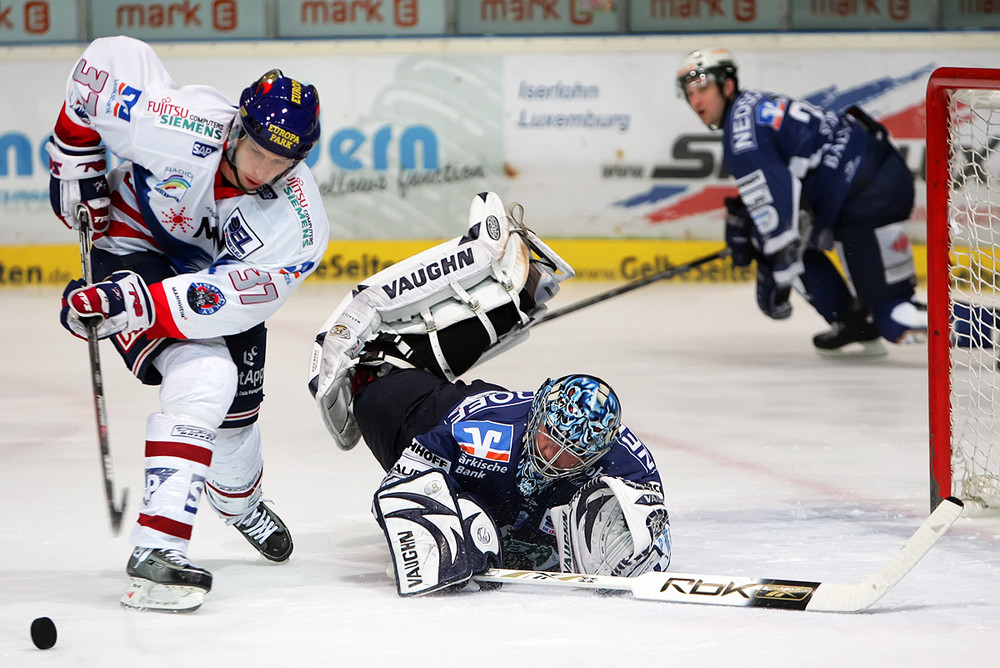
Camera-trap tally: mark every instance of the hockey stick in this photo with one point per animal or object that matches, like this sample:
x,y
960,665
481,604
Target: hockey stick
x,y
669,272
756,592
97,380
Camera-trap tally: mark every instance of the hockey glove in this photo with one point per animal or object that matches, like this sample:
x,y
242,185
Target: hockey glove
x,y
613,526
738,232
771,297
121,303
77,176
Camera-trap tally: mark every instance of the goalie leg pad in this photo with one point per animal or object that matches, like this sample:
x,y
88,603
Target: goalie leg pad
x,y
424,531
482,536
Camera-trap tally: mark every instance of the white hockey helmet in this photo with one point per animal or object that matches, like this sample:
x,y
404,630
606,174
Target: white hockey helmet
x,y
711,64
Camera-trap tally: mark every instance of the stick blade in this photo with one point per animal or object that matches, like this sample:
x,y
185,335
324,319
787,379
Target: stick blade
x,y
862,595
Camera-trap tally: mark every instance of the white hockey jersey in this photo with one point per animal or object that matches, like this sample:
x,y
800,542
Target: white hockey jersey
x,y
238,256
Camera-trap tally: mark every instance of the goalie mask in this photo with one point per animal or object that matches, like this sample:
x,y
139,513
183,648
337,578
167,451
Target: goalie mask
x,y
704,66
281,116
572,423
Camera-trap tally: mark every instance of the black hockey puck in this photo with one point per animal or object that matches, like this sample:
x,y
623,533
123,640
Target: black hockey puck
x,y
43,633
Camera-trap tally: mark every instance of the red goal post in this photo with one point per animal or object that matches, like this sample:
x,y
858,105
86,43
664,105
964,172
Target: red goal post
x,y
963,294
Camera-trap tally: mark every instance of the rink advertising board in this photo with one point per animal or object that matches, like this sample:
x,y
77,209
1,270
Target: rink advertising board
x,y
595,143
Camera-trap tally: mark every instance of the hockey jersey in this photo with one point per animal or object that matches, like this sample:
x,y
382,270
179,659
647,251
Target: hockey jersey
x,y
787,154
237,256
480,444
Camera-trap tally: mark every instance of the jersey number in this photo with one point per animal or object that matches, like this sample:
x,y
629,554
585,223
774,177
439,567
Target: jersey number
x,y
254,278
93,79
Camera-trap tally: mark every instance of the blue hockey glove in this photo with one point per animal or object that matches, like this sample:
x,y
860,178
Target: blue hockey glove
x,y
738,235
772,298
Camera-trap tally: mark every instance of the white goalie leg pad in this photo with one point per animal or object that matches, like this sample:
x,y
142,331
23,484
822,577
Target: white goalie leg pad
x,y
483,540
424,532
233,485
615,527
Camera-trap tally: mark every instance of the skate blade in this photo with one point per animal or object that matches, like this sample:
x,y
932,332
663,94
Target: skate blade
x,y
151,596
856,350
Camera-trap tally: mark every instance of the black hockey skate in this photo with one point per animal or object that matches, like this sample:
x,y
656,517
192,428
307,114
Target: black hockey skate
x,y
164,580
857,327
266,532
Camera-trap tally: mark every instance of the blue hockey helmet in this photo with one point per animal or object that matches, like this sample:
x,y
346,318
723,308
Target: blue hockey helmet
x,y
280,114
711,64
578,415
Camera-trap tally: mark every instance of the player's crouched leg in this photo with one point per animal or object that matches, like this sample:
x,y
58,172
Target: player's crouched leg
x,y
902,321
233,488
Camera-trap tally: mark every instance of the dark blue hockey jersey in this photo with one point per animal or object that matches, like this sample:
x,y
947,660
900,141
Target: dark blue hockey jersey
x,y
480,444
786,154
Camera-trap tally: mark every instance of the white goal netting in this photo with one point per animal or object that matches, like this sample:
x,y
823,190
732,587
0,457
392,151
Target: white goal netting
x,y
974,293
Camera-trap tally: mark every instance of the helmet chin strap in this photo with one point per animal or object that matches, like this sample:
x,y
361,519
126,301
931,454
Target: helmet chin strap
x,y
236,182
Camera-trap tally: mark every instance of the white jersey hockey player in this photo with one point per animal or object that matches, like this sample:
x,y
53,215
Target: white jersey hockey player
x,y
200,234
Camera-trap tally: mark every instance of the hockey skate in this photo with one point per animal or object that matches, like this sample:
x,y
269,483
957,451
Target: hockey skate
x,y
266,532
855,336
164,580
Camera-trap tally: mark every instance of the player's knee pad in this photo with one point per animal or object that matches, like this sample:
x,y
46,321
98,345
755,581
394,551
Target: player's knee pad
x,y
233,483
199,380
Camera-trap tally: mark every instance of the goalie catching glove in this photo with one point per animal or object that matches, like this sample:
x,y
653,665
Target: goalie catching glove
x,y
438,539
613,526
121,303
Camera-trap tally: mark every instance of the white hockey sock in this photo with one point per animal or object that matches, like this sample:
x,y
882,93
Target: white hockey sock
x,y
178,455
233,485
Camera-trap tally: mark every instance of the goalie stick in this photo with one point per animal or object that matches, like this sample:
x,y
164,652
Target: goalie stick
x,y
669,272
756,592
97,380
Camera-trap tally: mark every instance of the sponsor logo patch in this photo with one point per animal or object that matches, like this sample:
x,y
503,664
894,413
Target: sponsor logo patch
x,y
123,98
484,439
493,228
205,299
176,185
240,239
771,113
203,150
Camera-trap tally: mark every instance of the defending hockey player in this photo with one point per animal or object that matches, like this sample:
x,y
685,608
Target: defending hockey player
x,y
478,474
810,178
203,231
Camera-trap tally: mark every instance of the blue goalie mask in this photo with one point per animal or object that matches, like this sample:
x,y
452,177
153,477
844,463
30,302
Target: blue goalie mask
x,y
572,423
280,114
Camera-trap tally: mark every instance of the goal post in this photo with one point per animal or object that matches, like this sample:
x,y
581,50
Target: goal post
x,y
963,294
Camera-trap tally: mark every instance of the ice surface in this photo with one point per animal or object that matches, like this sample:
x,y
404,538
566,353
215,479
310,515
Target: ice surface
x,y
776,463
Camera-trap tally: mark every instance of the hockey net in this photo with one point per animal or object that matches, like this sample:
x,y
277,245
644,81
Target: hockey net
x,y
963,290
